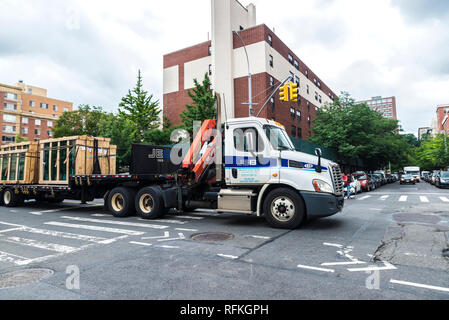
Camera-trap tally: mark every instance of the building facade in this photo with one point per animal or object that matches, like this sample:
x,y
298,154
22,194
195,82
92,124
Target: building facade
x,y
386,106
26,110
442,118
224,60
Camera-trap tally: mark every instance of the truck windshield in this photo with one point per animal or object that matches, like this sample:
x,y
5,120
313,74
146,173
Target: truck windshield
x,y
278,138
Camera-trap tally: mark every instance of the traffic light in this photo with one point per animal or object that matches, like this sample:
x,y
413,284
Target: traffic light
x,y
283,92
294,91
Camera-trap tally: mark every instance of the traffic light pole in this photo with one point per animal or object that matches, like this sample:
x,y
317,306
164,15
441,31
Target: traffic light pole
x,y
274,92
250,80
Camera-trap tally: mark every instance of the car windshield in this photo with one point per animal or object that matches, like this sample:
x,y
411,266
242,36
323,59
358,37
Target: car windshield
x,y
360,177
407,176
444,174
278,138
413,172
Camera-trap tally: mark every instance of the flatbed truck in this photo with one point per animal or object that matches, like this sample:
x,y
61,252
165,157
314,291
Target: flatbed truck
x,y
246,165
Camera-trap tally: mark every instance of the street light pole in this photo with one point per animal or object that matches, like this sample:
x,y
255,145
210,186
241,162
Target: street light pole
x,y
250,96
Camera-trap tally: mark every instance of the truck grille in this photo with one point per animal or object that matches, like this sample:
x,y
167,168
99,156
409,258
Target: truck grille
x,y
337,179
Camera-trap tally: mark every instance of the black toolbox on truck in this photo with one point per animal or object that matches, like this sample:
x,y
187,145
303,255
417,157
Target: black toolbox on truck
x,y
146,159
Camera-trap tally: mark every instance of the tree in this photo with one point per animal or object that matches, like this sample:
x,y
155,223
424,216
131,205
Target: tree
x,y
84,121
203,104
433,154
356,131
140,110
20,139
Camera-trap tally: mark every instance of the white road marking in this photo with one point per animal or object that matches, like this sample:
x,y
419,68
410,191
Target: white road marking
x,y
64,235
363,198
39,213
387,266
444,199
11,258
227,256
120,223
39,244
424,199
100,215
314,268
9,230
259,237
341,263
169,247
187,230
95,228
165,221
373,209
383,198
166,235
403,199
36,213
181,237
109,241
333,245
13,211
141,243
189,217
419,285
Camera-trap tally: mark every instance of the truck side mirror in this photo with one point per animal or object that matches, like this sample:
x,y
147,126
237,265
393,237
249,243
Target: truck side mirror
x,y
319,154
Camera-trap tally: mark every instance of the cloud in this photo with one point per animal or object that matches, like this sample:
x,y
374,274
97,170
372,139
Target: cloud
x,y
423,10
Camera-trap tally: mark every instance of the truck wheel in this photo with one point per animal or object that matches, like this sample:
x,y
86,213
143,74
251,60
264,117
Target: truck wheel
x,y
284,209
149,204
121,202
10,199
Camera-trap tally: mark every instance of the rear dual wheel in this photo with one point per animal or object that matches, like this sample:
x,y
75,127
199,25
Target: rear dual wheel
x,y
149,203
11,199
120,202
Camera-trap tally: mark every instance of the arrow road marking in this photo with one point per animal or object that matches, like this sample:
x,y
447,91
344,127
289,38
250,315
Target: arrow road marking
x,y
387,266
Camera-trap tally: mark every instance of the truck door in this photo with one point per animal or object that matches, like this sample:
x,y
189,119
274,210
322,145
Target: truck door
x,y
247,157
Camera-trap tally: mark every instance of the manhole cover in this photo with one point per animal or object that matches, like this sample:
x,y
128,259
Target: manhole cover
x,y
446,253
212,236
20,278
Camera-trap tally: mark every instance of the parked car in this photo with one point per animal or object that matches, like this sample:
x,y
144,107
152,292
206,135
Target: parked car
x,y
376,181
365,181
434,176
442,180
355,184
407,179
381,177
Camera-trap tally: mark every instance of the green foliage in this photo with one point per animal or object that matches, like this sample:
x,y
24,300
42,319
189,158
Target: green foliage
x,y
203,105
356,131
20,139
139,109
433,154
84,121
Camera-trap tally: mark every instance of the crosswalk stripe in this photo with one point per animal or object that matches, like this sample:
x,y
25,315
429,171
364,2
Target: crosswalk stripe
x,y
121,223
365,197
444,199
95,228
383,198
39,244
423,199
403,198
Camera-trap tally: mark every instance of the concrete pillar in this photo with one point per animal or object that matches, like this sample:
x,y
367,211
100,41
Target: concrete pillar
x,y
252,22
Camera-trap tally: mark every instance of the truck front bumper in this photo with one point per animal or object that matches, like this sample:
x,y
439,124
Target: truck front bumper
x,y
321,205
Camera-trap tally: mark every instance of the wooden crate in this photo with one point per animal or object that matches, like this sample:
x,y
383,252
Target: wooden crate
x,y
19,163
63,157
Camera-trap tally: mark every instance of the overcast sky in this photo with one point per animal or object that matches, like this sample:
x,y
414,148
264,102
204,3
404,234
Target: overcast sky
x,y
90,51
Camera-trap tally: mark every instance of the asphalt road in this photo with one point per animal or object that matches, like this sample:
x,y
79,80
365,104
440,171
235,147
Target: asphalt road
x,y
386,244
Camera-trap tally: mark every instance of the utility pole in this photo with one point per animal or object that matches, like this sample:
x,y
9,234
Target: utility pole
x,y
250,93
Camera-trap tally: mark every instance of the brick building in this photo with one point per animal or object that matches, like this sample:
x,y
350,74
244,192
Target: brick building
x,y
26,110
443,119
386,106
224,59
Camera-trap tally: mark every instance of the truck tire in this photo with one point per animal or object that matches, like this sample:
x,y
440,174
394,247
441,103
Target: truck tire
x,y
121,202
284,209
11,199
149,204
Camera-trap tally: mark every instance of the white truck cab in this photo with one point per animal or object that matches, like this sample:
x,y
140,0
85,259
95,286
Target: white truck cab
x,y
264,173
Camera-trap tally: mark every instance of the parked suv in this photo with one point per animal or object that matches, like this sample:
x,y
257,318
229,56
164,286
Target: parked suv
x,y
442,180
365,181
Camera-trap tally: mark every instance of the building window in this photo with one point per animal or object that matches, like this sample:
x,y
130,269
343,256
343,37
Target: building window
x,y
24,120
32,104
10,96
49,133
297,81
55,108
319,85
9,129
308,107
44,105
7,139
210,50
298,115
319,99
290,58
9,118
66,109
292,76
50,124
316,96
299,133
308,89
314,80
30,91
292,113
307,74
24,130
210,69
271,82
37,132
296,65
308,121
37,122
293,131
270,40
10,106
271,61
272,105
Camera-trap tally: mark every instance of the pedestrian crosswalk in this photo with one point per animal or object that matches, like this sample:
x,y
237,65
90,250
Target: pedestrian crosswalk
x,y
429,199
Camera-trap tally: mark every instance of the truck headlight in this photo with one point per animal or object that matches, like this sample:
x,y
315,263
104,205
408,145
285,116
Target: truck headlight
x,y
321,186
